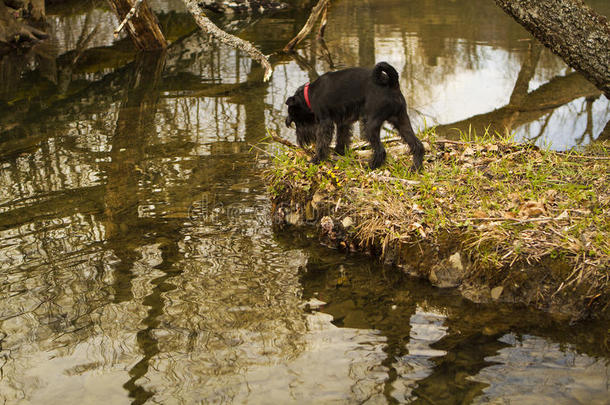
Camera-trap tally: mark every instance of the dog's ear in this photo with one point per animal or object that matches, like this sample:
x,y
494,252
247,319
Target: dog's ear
x,y
291,101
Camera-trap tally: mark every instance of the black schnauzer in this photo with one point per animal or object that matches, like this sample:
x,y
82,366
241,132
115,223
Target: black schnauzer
x,y
343,97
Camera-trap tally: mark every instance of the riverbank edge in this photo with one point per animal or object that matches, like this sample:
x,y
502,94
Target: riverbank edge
x,y
480,218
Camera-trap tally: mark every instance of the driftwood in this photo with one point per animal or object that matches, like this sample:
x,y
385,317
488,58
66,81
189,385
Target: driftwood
x,y
319,9
226,38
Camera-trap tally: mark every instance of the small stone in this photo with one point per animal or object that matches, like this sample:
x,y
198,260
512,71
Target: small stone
x,y
347,222
433,277
313,304
327,224
293,218
496,292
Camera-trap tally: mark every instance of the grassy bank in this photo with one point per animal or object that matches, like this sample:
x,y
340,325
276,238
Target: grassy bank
x,y
501,221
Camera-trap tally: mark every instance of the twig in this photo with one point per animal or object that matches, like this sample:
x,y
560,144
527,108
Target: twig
x,y
208,26
389,178
313,17
540,219
451,142
130,14
284,142
577,156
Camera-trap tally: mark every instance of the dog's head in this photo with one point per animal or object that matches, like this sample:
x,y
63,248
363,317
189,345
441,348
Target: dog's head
x,y
302,117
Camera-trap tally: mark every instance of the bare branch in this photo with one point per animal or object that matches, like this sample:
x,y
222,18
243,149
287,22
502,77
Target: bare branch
x,y
208,26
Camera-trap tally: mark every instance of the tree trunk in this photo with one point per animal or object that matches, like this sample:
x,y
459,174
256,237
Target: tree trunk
x,y
143,27
572,30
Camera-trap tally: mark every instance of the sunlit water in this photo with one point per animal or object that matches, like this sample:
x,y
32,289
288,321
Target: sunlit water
x,y
138,262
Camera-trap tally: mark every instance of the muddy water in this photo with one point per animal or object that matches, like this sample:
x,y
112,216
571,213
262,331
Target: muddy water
x,y
138,263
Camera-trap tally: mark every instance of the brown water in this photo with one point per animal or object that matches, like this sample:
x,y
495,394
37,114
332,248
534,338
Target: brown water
x,y
137,258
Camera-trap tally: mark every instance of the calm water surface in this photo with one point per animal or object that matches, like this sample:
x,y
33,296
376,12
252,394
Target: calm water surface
x,y
138,263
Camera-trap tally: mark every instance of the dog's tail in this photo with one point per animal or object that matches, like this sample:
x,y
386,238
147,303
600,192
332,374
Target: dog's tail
x,y
385,75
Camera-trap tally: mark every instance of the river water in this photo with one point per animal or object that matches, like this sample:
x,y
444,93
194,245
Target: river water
x,y
138,262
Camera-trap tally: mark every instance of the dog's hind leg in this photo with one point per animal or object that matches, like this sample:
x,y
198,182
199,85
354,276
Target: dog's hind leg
x,y
402,123
324,135
372,129
344,135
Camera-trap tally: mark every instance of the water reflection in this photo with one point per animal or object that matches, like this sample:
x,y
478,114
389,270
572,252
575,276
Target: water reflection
x,y
137,260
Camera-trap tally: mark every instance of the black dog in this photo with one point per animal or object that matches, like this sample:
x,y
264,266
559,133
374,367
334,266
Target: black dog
x,y
343,97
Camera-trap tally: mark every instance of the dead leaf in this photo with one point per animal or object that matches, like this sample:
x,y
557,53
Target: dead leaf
x,y
531,209
468,152
550,194
563,215
479,214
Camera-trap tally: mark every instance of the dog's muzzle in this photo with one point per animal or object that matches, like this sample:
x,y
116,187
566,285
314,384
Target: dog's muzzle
x,y
289,122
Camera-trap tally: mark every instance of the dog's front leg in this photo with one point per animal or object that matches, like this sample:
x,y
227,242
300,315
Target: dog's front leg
x,y
324,136
344,135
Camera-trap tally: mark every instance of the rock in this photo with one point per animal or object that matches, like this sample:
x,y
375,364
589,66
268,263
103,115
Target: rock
x,y
448,273
496,292
317,198
456,261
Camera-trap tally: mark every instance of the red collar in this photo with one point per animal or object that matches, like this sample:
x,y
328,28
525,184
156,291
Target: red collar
x,y
306,94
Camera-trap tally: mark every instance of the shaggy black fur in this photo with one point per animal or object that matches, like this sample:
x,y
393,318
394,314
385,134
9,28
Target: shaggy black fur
x,y
343,97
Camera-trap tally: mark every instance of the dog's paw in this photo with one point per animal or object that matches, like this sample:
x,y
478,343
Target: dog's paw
x,y
315,160
340,150
377,160
416,168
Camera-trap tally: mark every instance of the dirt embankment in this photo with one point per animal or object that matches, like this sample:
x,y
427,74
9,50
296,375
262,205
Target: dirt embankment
x,y
497,220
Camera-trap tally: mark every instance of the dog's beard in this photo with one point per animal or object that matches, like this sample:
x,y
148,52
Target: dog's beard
x,y
306,134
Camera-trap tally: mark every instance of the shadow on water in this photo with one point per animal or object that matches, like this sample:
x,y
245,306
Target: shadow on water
x,y
138,263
